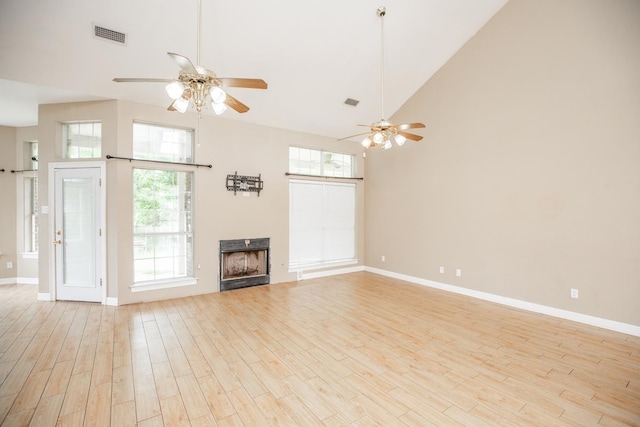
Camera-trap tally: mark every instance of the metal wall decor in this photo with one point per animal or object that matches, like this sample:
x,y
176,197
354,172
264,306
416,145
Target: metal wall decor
x,y
244,183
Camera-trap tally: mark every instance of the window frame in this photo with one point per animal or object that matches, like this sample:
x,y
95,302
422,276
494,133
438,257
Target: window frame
x,y
324,262
65,140
322,155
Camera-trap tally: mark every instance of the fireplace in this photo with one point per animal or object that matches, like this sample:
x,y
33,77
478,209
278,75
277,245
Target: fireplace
x,y
244,263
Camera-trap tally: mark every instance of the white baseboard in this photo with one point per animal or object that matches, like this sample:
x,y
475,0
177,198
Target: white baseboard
x,y
44,296
326,273
111,301
19,281
529,306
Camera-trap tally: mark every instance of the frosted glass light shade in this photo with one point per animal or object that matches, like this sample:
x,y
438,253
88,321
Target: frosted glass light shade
x,y
387,145
377,138
366,143
218,96
400,139
174,90
218,108
181,104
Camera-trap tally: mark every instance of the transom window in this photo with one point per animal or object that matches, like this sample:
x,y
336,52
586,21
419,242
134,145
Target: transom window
x,y
306,161
168,144
82,140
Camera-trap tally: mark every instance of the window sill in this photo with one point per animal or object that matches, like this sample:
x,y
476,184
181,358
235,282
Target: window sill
x,y
307,267
164,284
29,255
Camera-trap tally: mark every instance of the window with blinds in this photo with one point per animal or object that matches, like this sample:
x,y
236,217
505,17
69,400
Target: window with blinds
x,y
321,223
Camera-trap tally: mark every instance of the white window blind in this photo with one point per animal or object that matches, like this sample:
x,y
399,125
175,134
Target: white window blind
x,y
321,223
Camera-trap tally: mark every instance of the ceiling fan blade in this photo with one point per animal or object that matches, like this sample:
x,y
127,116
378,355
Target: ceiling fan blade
x,y
410,136
183,62
235,104
357,134
171,107
247,83
409,126
141,80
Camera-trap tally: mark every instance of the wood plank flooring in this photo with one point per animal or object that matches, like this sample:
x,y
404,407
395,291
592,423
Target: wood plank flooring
x,y
357,349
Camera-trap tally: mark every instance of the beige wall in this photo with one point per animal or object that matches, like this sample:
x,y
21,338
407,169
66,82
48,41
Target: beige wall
x,y
230,146
8,202
528,178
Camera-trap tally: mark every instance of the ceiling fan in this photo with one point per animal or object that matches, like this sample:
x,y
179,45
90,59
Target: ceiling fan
x,y
199,86
382,132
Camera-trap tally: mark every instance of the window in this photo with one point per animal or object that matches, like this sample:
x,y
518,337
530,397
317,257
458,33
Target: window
x,y
306,161
162,225
154,142
162,206
30,198
30,213
82,140
321,223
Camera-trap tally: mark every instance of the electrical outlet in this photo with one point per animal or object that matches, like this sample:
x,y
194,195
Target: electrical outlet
x,y
442,269
9,264
382,258
458,272
574,293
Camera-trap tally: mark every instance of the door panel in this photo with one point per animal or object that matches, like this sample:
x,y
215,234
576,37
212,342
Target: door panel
x,y
77,234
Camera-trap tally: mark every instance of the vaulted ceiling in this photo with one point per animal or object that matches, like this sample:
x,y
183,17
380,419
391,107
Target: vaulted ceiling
x,y
313,54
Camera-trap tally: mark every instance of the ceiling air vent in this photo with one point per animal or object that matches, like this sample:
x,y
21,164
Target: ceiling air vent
x,y
352,102
111,35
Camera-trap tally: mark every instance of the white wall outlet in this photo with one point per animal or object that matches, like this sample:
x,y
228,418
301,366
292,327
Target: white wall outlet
x,y
442,269
44,209
382,258
9,264
458,272
574,293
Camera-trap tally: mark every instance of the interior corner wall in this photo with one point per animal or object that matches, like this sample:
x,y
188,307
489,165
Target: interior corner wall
x,y
528,177
26,266
8,251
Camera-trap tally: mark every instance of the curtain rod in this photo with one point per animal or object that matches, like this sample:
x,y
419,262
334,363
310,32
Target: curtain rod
x,y
321,176
158,161
24,170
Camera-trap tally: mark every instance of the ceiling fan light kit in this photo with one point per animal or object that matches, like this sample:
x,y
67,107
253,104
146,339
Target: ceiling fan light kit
x,y
383,132
200,87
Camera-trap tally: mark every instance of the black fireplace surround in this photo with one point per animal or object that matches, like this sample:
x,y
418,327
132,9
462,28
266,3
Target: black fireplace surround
x,y
244,263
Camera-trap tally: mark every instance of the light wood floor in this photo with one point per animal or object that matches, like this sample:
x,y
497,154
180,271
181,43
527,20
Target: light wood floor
x,y
357,349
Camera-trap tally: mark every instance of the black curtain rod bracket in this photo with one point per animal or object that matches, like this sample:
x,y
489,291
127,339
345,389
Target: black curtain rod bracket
x,y
158,161
322,176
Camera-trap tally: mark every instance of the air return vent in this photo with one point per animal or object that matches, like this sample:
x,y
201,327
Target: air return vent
x,y
352,102
111,35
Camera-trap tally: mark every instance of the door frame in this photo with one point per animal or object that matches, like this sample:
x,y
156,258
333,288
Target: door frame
x,y
53,167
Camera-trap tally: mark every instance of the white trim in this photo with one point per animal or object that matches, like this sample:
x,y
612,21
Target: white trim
x,y
19,281
599,322
328,264
112,301
326,273
29,255
44,296
166,284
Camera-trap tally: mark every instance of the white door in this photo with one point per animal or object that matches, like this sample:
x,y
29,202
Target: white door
x,y
77,239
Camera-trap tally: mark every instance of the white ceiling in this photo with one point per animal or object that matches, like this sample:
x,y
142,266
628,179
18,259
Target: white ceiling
x,y
313,54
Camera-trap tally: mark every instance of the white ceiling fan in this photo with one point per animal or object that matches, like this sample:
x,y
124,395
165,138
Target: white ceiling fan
x,y
382,132
198,86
